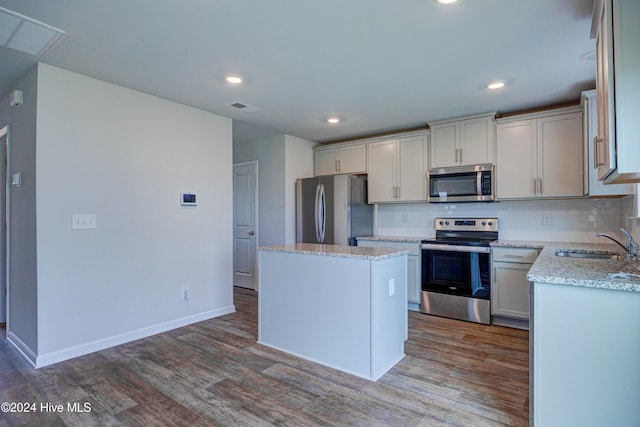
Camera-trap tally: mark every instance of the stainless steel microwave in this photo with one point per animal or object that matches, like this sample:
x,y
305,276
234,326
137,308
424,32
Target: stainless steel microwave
x,y
475,183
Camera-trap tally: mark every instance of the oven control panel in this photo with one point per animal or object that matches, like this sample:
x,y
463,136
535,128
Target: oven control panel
x,y
466,224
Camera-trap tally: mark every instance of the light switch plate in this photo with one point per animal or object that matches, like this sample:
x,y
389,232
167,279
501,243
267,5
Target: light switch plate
x,y
83,222
392,287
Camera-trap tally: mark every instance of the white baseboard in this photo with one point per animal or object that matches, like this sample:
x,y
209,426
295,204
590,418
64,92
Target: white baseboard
x,y
24,349
57,356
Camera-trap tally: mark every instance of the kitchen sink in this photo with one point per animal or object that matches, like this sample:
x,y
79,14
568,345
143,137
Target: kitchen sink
x,y
573,253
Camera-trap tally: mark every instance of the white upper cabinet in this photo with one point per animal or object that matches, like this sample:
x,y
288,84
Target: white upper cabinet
x,y
617,142
596,187
541,155
467,141
398,170
351,158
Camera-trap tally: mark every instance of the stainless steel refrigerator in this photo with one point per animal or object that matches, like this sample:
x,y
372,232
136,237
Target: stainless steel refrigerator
x,y
333,209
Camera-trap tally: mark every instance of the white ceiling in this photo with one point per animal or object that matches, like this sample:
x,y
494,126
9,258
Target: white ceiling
x,y
382,65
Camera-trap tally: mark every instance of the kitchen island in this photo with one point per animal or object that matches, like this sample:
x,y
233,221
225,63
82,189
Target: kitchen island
x,y
341,306
585,339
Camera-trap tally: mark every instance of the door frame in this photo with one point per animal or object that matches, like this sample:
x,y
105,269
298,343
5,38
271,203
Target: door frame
x,y
5,136
253,163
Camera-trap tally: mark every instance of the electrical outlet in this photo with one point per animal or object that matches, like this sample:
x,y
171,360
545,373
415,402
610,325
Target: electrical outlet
x,y
392,287
83,221
186,293
405,219
547,219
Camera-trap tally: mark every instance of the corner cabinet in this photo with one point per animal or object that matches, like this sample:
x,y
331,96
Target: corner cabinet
x,y
467,141
351,158
540,155
617,143
509,285
398,170
414,272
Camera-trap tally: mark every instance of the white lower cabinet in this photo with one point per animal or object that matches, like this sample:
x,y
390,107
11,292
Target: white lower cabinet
x,y
414,272
509,285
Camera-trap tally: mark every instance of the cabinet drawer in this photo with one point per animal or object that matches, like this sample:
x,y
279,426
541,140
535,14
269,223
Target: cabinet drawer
x,y
525,255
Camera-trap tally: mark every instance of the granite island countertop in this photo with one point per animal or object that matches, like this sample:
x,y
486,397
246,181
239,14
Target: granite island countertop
x,y
399,239
354,252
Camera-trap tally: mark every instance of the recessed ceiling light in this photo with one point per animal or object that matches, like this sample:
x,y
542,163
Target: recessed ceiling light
x,y
234,79
495,85
333,120
446,1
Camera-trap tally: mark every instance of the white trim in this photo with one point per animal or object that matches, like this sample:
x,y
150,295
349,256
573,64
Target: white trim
x,y
6,132
24,349
101,344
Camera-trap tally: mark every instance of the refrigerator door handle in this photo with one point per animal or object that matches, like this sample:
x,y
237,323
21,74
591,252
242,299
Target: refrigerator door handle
x,y
323,211
316,213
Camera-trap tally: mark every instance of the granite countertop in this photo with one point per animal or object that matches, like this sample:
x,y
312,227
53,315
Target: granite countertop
x,y
355,252
530,244
400,239
590,273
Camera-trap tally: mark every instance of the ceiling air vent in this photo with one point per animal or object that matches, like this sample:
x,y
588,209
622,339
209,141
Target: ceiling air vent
x,y
25,35
243,107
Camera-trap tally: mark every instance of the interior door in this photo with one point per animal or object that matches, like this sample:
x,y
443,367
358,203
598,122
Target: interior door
x,y
245,253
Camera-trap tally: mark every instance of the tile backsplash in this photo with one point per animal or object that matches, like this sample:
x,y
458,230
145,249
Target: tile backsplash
x,y
572,220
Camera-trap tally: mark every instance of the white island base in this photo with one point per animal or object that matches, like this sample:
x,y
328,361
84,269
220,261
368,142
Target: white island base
x,y
341,306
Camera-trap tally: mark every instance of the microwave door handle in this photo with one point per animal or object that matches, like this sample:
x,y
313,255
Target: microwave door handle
x,y
479,184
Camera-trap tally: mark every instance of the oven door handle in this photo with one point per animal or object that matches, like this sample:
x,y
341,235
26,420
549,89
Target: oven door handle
x,y
454,248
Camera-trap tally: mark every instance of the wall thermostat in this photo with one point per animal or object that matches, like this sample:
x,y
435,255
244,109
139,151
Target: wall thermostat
x,y
188,199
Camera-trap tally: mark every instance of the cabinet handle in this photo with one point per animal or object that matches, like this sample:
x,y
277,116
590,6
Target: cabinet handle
x,y
398,196
597,142
456,159
540,186
535,187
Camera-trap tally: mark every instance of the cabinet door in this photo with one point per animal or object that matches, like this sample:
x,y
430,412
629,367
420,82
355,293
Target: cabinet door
x,y
325,162
510,290
516,165
382,171
444,145
590,130
560,159
412,173
353,159
476,141
605,139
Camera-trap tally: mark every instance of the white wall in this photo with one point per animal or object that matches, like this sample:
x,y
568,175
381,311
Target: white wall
x,y
573,220
299,164
22,284
126,156
281,160
269,152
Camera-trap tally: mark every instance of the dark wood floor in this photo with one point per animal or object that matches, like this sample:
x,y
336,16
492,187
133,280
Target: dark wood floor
x,y
213,373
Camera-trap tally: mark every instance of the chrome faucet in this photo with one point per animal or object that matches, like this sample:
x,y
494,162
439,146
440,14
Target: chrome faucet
x,y
631,247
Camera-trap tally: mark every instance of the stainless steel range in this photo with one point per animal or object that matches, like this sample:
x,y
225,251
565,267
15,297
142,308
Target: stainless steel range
x,y
456,269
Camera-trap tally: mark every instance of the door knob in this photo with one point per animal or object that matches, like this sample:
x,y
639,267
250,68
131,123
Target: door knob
x,y
251,233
